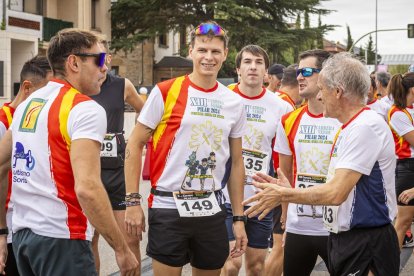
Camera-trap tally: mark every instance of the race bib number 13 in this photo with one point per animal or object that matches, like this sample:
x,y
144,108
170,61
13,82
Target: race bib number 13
x,y
196,204
330,218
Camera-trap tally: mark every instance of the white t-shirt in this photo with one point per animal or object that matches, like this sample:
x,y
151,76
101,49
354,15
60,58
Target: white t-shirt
x,y
364,145
191,138
263,112
308,138
43,190
378,107
386,103
401,123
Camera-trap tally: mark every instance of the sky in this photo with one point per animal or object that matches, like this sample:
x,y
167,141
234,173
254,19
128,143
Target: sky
x,y
360,16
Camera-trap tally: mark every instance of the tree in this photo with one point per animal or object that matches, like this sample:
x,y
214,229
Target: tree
x,y
370,51
319,42
349,40
261,22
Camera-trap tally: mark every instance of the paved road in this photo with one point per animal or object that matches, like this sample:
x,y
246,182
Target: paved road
x,y
109,267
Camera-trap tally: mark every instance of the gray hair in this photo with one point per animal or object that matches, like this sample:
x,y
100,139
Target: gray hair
x,y
345,71
383,78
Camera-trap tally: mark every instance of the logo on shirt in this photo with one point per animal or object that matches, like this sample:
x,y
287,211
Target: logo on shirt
x,y
31,115
21,175
19,153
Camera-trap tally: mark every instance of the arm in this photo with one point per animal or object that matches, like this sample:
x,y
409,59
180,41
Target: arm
x,y
236,192
286,165
333,192
409,137
85,161
6,147
134,216
131,96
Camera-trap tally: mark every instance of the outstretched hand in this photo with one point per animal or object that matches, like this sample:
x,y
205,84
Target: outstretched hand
x,y
269,197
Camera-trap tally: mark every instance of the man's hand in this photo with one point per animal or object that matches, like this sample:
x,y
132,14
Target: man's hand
x,y
135,221
127,262
3,253
269,197
241,239
406,196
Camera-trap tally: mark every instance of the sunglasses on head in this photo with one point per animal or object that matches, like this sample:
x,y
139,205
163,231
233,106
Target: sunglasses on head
x,y
307,71
205,28
99,58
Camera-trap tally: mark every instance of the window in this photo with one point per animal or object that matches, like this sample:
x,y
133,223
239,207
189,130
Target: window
x,y
163,41
94,5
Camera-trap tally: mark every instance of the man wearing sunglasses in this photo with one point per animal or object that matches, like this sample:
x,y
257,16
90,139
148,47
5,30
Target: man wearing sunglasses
x,y
263,109
196,125
359,195
53,145
304,143
115,92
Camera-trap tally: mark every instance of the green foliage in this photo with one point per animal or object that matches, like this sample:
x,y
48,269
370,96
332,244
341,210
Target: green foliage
x,y
371,52
349,40
262,22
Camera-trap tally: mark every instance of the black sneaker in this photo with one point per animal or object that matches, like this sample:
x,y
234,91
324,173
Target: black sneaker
x,y
408,241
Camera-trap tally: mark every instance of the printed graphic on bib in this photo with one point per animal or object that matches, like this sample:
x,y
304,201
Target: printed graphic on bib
x,y
201,168
304,181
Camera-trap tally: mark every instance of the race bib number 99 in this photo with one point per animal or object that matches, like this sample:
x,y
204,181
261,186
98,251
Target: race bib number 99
x,y
196,204
109,146
255,161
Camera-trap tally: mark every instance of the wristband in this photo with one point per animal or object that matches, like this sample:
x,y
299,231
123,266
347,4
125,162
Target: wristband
x,y
240,218
4,231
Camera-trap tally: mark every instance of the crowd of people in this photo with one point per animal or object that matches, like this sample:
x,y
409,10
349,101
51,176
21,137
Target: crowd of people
x,y
318,163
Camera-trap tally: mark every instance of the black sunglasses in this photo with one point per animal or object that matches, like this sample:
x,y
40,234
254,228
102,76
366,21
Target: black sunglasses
x,y
307,71
99,58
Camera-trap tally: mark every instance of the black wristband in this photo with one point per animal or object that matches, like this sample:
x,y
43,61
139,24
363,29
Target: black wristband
x,y
4,231
240,218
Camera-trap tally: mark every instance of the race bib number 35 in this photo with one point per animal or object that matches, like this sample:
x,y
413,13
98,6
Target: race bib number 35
x,y
255,161
196,204
109,146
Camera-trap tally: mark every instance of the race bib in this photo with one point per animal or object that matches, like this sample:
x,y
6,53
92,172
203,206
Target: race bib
x,y
304,181
196,204
330,218
109,146
255,161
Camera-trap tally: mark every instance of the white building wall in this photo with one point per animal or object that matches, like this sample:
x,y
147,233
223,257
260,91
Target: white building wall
x,y
172,49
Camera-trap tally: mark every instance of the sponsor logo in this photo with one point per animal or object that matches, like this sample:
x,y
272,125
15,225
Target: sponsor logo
x,y
31,115
21,175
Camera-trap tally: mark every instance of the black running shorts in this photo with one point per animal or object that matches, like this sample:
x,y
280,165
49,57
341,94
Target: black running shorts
x,y
176,241
114,182
357,251
404,175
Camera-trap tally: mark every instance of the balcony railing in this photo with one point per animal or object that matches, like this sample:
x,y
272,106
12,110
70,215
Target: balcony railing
x,y
51,26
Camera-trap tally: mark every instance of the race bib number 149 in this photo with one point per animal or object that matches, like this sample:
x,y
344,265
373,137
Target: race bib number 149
x,y
196,204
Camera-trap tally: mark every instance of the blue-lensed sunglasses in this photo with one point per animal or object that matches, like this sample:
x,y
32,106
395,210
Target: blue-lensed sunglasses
x,y
205,28
99,58
307,71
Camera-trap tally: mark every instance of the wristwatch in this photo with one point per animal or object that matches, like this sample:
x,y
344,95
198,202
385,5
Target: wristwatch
x,y
4,231
240,218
